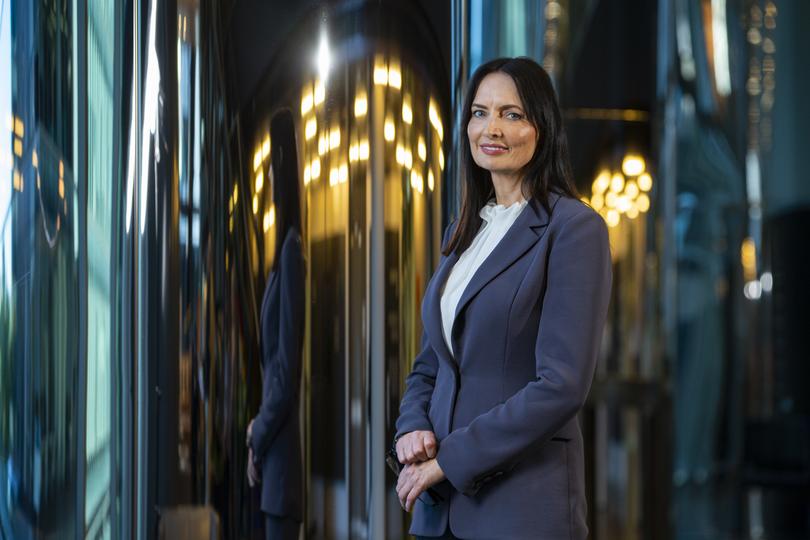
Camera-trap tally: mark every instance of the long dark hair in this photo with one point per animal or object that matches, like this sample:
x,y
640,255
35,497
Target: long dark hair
x,y
286,198
549,168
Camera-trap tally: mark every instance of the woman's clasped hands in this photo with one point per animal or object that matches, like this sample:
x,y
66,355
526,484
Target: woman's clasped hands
x,y
417,452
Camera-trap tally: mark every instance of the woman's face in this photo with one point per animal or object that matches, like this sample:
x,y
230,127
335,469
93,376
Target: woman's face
x,y
502,140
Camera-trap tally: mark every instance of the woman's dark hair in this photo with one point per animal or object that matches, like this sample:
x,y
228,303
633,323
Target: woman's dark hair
x,y
284,162
549,168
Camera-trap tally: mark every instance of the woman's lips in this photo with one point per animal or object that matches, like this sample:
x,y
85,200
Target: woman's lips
x,y
493,149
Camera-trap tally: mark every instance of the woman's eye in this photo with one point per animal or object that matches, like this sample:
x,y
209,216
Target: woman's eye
x,y
514,116
478,113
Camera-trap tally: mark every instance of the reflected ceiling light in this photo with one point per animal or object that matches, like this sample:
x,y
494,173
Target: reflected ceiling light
x,y
151,93
306,103
316,168
333,177
266,147
597,201
645,182
417,182
612,218
323,143
255,204
343,173
311,128
643,202
767,281
34,159
441,160
324,56
601,183
435,120
360,106
431,181
408,158
17,182
320,93
748,258
61,188
623,203
269,218
632,212
19,127
752,290
380,74
18,147
400,155
307,174
334,138
722,76
610,199
631,189
407,113
389,131
421,149
257,158
633,165
354,153
364,150
394,77
259,181
617,183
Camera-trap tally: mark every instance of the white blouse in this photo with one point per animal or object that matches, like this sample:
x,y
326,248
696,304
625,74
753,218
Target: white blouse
x,y
497,220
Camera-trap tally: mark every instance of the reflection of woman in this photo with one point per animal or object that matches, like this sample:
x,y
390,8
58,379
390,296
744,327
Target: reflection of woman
x,y
512,322
274,434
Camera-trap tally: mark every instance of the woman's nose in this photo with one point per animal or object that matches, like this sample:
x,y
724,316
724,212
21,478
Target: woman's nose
x,y
493,128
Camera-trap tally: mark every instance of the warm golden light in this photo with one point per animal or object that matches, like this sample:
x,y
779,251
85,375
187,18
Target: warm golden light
x,y
633,165
441,160
631,189
389,131
316,168
269,218
259,181
623,203
257,159
18,147
255,204
19,127
643,202
645,182
597,201
320,93
617,183
400,155
333,177
417,182
354,153
307,174
61,168
394,77
61,188
601,183
360,106
748,258
364,150
408,157
435,120
343,173
431,181
266,147
323,143
311,128
380,74
334,138
306,103
421,149
235,194
612,218
34,159
17,182
632,212
407,113
610,199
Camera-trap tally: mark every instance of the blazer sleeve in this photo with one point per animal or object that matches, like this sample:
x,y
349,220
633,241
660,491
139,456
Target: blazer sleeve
x,y
413,409
284,370
571,324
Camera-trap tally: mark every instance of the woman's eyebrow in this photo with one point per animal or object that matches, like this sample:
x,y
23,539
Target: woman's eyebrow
x,y
501,108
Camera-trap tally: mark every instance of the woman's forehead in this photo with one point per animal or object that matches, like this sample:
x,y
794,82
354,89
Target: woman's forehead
x,y
497,89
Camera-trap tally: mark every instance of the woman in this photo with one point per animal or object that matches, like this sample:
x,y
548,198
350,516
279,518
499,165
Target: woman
x,y
273,437
512,321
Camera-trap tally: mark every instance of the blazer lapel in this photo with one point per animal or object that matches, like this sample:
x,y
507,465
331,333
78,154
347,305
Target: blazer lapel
x,y
521,236
432,307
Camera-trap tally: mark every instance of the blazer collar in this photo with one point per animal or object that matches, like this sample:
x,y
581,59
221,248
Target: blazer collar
x,y
524,233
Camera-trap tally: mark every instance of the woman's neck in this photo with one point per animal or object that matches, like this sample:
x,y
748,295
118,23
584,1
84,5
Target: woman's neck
x,y
508,189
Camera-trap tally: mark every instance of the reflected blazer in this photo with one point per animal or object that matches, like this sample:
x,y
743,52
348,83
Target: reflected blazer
x,y
275,437
527,333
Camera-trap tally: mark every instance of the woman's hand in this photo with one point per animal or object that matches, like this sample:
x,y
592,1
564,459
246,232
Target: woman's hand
x,y
416,446
415,479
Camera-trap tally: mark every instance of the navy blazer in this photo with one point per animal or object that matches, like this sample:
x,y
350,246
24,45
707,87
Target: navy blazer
x,y
275,438
527,333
